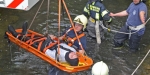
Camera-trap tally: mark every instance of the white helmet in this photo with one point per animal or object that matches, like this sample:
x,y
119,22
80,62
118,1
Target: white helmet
x,y
100,68
81,19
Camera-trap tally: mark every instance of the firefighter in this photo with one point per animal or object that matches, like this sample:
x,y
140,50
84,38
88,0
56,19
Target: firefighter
x,y
80,23
69,36
96,11
137,13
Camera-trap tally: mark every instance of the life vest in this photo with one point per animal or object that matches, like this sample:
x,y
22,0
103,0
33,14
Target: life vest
x,y
70,41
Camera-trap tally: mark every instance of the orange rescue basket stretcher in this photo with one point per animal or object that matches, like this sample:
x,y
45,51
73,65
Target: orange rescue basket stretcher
x,y
85,62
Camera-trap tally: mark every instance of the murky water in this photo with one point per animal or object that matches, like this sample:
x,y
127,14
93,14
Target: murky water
x,y
16,61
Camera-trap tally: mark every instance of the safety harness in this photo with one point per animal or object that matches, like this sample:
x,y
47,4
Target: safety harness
x,y
70,41
137,27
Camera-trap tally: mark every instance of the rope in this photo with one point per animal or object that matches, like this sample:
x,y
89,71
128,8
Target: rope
x,y
147,20
73,25
59,15
63,16
144,57
33,19
35,14
117,31
47,16
140,63
122,32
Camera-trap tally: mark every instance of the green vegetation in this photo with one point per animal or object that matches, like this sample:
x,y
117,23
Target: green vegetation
x,y
148,4
7,17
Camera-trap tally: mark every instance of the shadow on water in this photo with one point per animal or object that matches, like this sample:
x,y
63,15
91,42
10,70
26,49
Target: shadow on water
x,y
120,62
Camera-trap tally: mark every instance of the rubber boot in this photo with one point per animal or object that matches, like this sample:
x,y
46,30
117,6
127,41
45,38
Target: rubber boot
x,y
12,31
24,28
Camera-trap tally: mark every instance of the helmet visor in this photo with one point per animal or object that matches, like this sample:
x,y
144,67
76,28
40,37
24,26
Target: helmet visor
x,y
78,21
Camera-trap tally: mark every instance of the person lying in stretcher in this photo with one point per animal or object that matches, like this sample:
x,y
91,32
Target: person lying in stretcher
x,y
67,53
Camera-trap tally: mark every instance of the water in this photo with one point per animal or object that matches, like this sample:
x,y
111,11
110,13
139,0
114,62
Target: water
x,y
19,62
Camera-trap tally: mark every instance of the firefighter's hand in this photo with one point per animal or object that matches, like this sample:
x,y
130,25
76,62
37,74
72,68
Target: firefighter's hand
x,y
61,38
52,36
81,51
111,14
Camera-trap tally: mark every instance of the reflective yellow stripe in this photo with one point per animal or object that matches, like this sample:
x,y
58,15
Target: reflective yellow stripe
x,y
109,20
86,10
97,16
92,20
94,8
104,13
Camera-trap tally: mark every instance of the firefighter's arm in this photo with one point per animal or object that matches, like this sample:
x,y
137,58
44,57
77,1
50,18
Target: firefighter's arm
x,y
61,38
78,50
105,14
106,17
81,51
142,17
86,11
119,14
52,36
